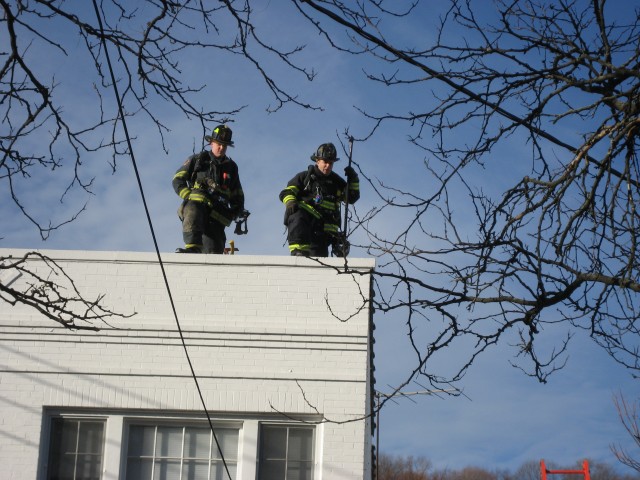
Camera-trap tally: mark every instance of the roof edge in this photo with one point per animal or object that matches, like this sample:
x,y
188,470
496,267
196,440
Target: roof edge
x,y
195,259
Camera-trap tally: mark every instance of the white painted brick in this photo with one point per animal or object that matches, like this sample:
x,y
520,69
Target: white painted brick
x,y
257,329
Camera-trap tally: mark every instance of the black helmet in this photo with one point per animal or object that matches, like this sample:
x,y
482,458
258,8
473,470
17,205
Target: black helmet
x,y
327,152
221,134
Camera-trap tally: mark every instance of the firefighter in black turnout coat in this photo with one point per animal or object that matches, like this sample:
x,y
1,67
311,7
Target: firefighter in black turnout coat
x,y
209,185
312,200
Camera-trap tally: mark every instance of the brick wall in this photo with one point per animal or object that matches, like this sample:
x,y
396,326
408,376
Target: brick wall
x,y
264,334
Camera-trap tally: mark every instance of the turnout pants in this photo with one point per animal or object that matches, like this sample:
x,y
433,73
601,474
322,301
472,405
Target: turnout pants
x,y
199,229
306,234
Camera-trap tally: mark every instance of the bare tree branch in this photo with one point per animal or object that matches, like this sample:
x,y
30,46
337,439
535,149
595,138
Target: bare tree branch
x,y
51,292
557,251
628,414
149,41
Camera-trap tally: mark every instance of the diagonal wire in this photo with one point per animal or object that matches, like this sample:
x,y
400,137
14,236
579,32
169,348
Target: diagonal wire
x,y
155,242
524,122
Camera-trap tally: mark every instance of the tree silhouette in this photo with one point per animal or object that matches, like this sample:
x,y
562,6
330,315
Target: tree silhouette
x,y
555,250
551,249
420,468
629,415
142,46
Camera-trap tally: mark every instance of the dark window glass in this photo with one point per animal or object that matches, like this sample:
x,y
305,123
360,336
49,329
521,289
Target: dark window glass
x,y
76,449
286,453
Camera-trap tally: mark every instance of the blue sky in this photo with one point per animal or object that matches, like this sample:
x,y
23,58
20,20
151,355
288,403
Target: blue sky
x,y
504,417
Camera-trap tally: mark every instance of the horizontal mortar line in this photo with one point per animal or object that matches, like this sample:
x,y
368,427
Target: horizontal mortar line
x,y
194,332
177,375
81,338
176,342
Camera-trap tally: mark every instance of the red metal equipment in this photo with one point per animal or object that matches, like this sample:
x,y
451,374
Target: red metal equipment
x,y
584,471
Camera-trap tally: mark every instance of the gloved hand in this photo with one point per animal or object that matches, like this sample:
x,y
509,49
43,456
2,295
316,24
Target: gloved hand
x,y
340,246
292,207
351,174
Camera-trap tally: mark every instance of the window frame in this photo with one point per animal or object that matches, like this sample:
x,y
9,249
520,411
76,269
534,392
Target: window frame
x,y
49,445
116,434
289,426
184,423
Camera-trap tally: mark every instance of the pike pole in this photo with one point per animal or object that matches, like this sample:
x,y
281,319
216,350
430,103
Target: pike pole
x,y
346,204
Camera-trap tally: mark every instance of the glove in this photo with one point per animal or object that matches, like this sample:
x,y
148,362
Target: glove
x,y
340,247
292,207
351,174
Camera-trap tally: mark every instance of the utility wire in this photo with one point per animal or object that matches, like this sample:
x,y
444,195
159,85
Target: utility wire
x,y
155,242
441,76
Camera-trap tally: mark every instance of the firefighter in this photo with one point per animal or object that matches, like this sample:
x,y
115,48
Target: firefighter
x,y
209,185
312,205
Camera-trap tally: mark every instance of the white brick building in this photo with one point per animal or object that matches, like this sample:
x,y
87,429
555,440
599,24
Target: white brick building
x,y
280,347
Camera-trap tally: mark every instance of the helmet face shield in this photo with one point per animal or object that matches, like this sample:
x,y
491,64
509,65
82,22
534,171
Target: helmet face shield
x,y
326,152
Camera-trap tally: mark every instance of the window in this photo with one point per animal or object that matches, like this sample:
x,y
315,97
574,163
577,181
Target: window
x,y
76,449
156,445
178,452
286,453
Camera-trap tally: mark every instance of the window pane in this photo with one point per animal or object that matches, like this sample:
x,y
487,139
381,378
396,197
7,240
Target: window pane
x,y
300,444
139,469
299,470
272,470
286,453
167,470
90,440
169,442
195,470
69,439
196,442
88,467
274,443
141,441
219,473
76,449
60,465
62,468
228,440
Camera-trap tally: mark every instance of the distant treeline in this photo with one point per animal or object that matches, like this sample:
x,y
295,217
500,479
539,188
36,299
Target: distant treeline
x,y
420,468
